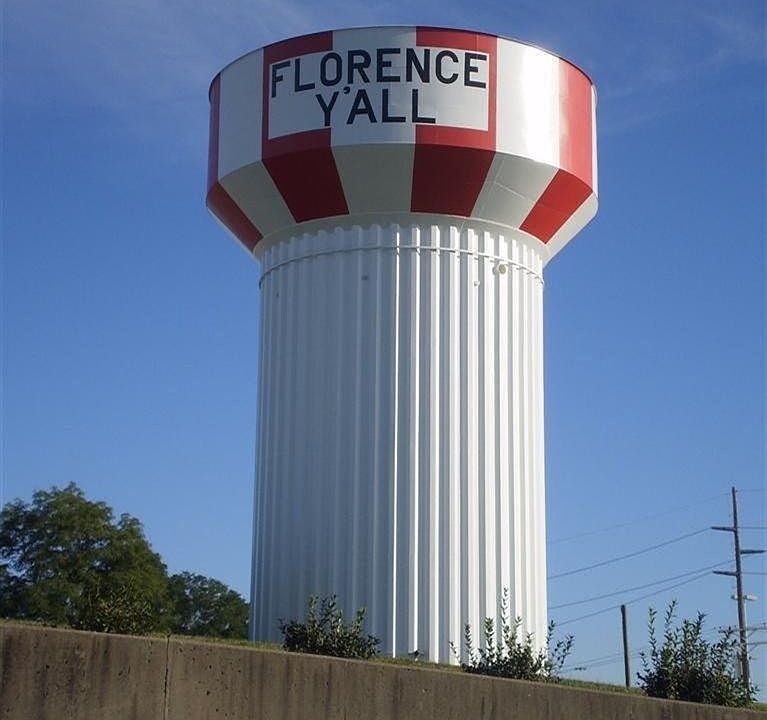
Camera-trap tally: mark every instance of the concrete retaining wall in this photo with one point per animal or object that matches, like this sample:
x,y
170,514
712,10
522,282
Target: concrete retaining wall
x,y
62,674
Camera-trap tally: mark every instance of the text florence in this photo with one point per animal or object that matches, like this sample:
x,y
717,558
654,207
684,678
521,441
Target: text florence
x,y
421,65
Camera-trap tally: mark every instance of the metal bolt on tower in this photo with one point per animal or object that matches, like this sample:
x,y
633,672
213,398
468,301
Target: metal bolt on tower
x,y
403,189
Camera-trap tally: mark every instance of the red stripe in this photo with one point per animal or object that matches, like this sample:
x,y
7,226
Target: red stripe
x,y
225,209
458,39
575,135
293,47
561,198
447,179
450,164
215,101
309,183
301,164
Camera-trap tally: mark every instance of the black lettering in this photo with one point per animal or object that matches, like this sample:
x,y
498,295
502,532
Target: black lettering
x,y
469,69
327,107
421,68
297,86
382,64
416,117
361,106
277,78
358,60
385,117
438,66
326,79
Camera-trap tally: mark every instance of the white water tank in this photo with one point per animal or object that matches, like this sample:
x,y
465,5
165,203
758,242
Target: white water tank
x,y
403,189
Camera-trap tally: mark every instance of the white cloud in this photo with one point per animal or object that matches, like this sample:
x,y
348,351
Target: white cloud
x,y
669,54
144,65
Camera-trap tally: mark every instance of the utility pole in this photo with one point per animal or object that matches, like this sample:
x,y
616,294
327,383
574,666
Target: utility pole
x,y
739,595
626,668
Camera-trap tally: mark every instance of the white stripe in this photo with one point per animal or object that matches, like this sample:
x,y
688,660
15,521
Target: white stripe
x,y
376,178
528,113
240,113
511,189
255,193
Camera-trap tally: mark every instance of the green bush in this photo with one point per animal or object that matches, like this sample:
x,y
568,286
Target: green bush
x,y
685,666
324,632
512,655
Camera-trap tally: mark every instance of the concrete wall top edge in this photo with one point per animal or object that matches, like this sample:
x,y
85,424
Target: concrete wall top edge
x,y
50,672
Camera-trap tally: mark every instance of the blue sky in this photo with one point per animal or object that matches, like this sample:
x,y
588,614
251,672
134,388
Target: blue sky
x,y
130,320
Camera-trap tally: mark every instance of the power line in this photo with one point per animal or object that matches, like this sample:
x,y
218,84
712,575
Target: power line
x,y
619,526
628,555
634,600
600,662
586,663
618,656
638,587
604,663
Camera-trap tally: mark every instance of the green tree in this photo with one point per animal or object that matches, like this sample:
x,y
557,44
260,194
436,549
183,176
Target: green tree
x,y
204,606
65,560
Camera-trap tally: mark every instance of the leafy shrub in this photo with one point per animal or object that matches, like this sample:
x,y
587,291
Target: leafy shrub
x,y
685,666
324,632
511,655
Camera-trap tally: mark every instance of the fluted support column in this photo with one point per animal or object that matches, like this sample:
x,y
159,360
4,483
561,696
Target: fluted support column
x,y
400,433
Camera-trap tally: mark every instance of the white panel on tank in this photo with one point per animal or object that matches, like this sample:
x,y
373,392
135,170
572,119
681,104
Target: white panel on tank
x,y
255,193
528,107
503,199
240,113
399,103
324,89
375,178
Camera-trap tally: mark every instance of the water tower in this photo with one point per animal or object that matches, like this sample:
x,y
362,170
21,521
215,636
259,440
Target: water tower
x,y
403,189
